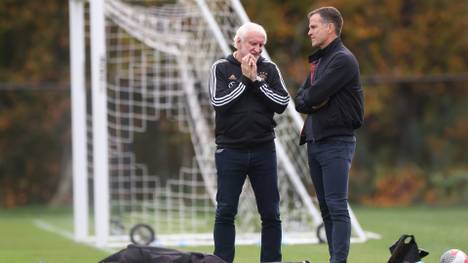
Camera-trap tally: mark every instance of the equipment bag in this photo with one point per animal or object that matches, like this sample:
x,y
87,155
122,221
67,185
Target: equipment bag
x,y
151,254
405,250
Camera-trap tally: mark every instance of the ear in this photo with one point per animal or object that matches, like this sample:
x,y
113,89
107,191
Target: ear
x,y
331,28
238,41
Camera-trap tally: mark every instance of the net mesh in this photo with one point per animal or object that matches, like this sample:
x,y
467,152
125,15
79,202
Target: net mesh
x,y
158,58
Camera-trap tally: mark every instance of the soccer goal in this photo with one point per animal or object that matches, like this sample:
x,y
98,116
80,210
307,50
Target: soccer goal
x,y
141,64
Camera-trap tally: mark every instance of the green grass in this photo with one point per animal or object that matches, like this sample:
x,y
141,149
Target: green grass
x,y
22,241
435,229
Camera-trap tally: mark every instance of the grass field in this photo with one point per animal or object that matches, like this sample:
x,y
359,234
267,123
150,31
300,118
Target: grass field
x,y
435,229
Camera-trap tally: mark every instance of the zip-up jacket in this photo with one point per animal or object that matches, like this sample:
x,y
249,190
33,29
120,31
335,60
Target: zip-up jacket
x,y
244,108
332,95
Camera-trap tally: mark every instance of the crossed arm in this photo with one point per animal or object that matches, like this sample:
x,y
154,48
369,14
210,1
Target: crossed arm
x,y
312,96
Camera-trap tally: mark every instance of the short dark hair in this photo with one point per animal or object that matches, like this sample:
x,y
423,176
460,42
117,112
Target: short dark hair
x,y
329,14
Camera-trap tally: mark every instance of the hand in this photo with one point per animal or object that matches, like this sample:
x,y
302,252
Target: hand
x,y
323,103
249,67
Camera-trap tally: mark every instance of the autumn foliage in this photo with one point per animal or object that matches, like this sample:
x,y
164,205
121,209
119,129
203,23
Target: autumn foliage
x,y
413,56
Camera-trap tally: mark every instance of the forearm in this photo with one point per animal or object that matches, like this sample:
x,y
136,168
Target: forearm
x,y
301,103
223,93
275,96
334,77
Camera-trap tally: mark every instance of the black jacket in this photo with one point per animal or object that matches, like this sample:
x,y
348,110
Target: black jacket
x,y
245,108
336,82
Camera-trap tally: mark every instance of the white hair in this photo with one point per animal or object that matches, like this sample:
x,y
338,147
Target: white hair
x,y
248,27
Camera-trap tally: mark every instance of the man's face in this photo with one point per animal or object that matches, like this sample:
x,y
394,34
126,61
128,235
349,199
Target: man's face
x,y
319,32
251,44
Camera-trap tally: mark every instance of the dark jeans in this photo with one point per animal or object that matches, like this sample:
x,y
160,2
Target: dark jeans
x,y
329,164
233,166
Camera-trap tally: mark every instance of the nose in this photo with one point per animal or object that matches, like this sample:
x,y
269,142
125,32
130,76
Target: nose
x,y
257,50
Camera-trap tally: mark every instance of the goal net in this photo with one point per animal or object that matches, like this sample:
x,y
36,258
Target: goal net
x,y
148,64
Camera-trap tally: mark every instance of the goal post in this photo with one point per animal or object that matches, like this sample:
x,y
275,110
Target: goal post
x,y
148,67
78,104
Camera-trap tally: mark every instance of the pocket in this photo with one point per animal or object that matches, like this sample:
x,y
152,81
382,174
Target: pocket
x,y
341,149
219,150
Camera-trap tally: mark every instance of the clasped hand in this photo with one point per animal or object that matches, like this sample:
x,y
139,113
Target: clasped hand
x,y
249,66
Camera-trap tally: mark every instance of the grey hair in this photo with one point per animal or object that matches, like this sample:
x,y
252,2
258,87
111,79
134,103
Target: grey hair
x,y
248,27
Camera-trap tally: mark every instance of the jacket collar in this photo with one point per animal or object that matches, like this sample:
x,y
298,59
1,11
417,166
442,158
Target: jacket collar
x,y
328,49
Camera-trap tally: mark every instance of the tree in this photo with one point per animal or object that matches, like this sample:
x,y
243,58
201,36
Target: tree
x,y
34,122
413,57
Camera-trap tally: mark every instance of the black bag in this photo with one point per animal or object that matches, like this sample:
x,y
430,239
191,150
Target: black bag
x,y
150,254
405,250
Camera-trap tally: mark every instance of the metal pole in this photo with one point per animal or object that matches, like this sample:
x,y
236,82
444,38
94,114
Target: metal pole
x,y
78,105
100,132
214,27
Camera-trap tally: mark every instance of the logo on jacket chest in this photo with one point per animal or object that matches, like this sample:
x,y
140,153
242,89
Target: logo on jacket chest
x,y
232,81
262,75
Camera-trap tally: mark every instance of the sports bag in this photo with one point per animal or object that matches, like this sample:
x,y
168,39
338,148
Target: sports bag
x,y
151,254
405,250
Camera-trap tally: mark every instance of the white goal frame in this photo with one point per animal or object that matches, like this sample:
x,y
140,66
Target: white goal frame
x,y
100,137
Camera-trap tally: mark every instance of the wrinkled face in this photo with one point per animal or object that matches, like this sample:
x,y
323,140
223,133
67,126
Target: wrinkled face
x,y
252,43
320,33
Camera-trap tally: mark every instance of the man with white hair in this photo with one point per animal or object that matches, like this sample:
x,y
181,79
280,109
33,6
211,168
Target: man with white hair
x,y
246,90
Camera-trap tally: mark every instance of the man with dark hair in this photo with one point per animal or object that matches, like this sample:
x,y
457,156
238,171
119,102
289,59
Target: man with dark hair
x,y
333,99
329,15
246,90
